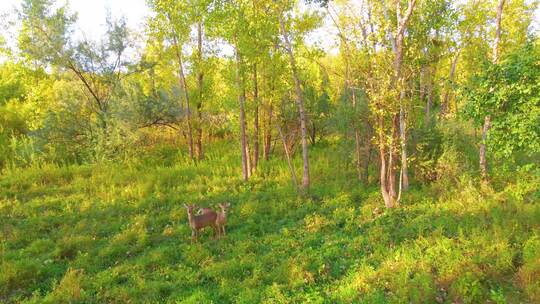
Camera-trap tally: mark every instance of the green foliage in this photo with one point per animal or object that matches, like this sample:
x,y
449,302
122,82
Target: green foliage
x,y
117,232
444,152
509,93
319,108
154,109
79,119
94,167
45,33
20,113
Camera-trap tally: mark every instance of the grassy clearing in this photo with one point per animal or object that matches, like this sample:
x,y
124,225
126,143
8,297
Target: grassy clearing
x,y
117,233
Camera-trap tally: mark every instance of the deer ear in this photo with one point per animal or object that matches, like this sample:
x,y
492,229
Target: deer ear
x,y
185,206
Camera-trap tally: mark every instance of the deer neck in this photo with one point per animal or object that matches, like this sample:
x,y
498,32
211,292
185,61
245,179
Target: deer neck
x,y
190,219
222,214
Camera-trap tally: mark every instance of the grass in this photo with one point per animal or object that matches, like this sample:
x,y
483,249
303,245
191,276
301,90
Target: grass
x,y
117,233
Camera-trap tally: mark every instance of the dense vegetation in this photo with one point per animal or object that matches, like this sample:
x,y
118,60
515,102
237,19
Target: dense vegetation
x,y
398,165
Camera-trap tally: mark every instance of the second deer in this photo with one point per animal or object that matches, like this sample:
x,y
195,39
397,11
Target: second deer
x,y
221,216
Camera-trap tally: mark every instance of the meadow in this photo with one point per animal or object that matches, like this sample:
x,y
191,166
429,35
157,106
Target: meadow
x,y
116,232
371,151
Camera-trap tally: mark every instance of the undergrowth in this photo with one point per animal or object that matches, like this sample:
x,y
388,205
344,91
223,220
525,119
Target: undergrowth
x,y
117,233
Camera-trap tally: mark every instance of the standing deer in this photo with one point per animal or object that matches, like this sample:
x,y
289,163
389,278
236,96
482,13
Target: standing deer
x,y
221,218
197,222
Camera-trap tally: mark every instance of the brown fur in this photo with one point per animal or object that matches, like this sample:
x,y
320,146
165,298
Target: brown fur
x,y
197,222
221,218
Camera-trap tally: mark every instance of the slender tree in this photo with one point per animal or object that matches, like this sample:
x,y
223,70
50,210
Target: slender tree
x,y
200,89
256,131
346,54
487,118
185,92
299,101
173,22
242,101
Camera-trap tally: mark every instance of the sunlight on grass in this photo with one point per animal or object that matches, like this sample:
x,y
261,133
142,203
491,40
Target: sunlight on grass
x,y
119,233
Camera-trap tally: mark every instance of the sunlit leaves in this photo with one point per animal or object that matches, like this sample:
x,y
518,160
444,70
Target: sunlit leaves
x,y
510,93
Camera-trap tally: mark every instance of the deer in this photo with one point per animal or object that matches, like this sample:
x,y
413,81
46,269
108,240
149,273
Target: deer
x,y
221,218
197,222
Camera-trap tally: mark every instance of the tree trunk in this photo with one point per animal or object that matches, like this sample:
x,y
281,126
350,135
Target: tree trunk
x,y
248,155
256,119
399,119
487,119
391,197
184,86
357,140
393,159
429,100
300,103
242,101
404,185
200,76
268,134
449,86
498,31
388,201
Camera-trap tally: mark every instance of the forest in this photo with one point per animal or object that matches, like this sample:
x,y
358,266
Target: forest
x,y
271,151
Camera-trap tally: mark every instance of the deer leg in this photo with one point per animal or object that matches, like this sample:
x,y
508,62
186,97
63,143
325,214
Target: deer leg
x,y
223,227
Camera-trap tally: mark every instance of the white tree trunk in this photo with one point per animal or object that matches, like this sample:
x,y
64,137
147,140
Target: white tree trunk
x,y
300,103
242,101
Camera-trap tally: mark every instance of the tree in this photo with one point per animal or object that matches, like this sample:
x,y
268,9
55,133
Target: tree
x,y
242,101
388,166
487,118
349,83
232,17
46,39
299,100
201,14
173,22
508,93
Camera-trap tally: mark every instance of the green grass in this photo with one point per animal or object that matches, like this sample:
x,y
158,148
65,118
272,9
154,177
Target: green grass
x,y
117,233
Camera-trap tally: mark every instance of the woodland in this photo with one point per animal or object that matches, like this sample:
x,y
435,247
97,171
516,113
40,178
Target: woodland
x,y
272,151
